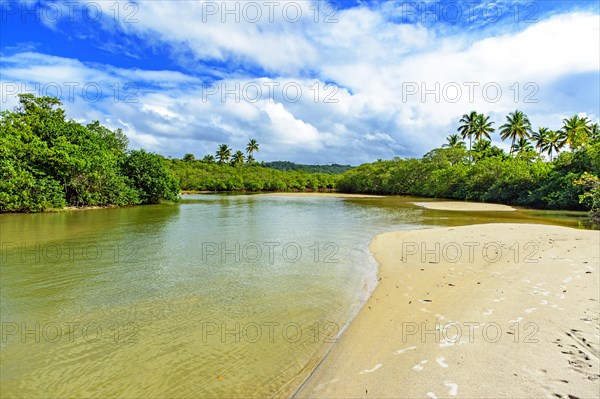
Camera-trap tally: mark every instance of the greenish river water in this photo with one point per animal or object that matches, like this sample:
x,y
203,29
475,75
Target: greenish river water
x,y
217,296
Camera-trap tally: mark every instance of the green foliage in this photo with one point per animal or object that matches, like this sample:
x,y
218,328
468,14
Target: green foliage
x,y
150,177
592,196
447,173
47,161
286,165
206,176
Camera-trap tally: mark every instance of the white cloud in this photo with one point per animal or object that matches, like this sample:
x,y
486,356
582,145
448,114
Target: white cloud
x,y
375,61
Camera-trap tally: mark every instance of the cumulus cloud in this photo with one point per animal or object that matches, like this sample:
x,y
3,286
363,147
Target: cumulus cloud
x,y
370,85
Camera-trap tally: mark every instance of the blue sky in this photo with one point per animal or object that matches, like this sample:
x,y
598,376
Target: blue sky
x,y
312,81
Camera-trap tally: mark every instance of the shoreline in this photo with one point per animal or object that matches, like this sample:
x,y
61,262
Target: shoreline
x,y
332,194
324,194
405,343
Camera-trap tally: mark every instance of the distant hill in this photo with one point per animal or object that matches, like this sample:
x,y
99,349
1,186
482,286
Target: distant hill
x,y
334,168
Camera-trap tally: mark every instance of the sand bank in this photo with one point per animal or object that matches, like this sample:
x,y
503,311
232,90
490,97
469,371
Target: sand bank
x,y
330,195
513,314
463,206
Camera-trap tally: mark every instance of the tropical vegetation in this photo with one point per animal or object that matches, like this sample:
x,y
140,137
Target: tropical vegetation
x,y
568,179
48,161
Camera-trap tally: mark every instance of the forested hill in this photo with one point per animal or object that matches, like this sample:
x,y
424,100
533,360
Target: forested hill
x,y
333,168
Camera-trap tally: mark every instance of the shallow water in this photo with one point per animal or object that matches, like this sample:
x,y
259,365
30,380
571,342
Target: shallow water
x,y
218,296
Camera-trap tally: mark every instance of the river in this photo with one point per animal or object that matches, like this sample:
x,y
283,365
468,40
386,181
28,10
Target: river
x,y
217,296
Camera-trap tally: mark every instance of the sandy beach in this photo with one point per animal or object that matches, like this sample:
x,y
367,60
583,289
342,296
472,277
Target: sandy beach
x,y
464,206
480,311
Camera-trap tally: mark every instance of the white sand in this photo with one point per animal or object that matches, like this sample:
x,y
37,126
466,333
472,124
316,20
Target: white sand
x,y
463,206
518,319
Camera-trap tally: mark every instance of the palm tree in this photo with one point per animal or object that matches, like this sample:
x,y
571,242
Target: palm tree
x,y
522,145
223,153
595,132
482,145
208,159
454,141
467,129
237,158
539,138
576,131
517,125
251,147
554,143
483,128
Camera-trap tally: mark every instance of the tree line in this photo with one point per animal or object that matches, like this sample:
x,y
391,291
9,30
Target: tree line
x,y
49,162
223,155
238,172
575,132
213,176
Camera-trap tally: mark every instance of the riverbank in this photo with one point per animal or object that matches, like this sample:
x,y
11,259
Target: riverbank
x,y
513,314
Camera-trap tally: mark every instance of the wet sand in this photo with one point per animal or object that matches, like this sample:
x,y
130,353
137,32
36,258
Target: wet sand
x,y
513,314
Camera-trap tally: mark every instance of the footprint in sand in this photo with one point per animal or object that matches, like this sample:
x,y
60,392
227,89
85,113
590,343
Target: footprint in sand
x,y
453,388
488,312
530,310
518,319
544,302
419,366
431,395
365,371
425,310
401,351
441,361
499,299
323,385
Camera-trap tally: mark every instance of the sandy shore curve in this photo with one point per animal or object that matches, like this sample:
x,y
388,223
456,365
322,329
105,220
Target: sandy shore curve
x,y
486,311
464,206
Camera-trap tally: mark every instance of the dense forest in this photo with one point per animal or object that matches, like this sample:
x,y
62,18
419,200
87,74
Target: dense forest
x,y
213,176
49,162
484,172
238,171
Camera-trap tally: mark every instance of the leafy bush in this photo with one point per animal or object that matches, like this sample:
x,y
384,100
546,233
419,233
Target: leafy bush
x,y
48,162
